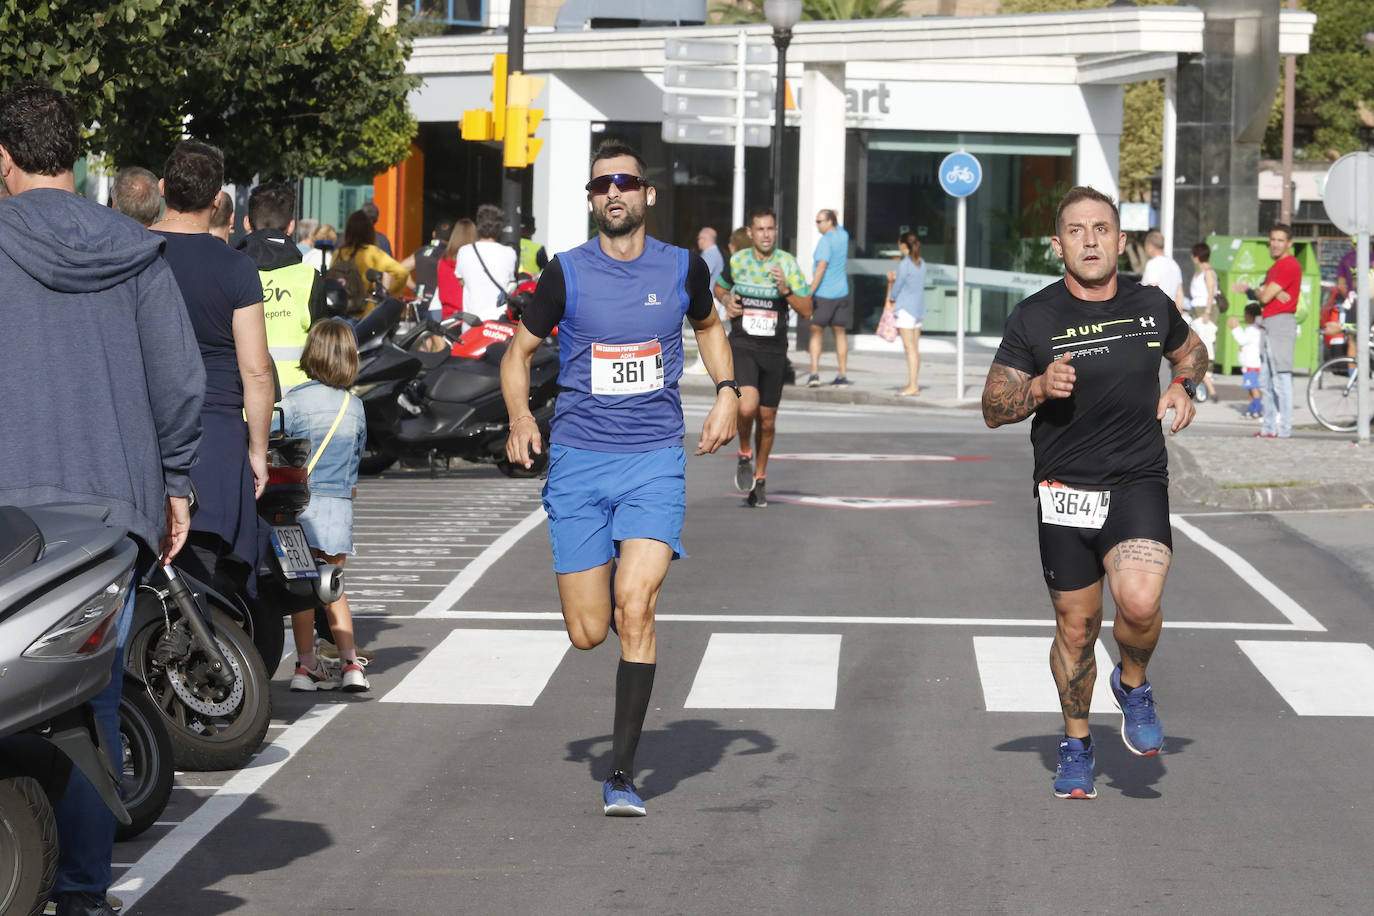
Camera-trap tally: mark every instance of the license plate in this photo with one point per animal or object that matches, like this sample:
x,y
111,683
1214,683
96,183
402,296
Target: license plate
x,y
297,562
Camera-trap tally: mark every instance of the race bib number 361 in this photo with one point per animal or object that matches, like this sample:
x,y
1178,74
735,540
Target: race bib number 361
x,y
1061,505
627,368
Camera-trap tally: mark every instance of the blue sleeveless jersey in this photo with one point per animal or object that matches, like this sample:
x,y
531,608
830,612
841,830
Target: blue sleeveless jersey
x,y
620,342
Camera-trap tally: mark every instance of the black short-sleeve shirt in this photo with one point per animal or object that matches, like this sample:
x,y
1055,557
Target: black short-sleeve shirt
x,y
1106,433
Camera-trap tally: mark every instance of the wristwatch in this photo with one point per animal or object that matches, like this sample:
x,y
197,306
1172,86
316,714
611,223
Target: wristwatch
x,y
728,383
1188,387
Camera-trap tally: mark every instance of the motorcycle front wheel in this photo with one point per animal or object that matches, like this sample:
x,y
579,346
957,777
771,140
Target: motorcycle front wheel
x,y
28,846
145,779
210,728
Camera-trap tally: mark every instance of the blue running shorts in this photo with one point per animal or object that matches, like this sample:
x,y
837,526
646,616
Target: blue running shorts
x,y
595,500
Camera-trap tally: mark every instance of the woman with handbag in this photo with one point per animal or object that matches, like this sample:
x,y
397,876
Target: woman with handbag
x,y
323,411
486,267
906,292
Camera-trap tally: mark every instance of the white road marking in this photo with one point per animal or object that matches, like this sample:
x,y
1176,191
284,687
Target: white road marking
x,y
154,865
1296,614
872,502
835,619
1016,676
1317,678
484,667
767,671
864,456
466,579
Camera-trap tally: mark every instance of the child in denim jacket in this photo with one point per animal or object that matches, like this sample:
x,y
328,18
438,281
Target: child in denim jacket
x,y
312,410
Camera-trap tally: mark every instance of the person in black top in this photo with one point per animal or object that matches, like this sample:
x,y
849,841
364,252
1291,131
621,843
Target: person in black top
x,y
1082,355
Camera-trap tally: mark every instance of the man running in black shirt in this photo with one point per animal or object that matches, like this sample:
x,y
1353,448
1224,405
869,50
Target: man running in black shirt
x,y
1083,356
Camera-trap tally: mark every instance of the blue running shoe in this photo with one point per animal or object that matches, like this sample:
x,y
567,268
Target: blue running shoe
x,y
618,792
1141,729
1074,778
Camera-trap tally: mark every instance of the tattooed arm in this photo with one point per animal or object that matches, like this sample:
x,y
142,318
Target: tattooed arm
x,y
1191,359
1010,395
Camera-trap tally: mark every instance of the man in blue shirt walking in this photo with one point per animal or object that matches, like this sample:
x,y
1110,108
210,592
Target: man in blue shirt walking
x,y
616,491
831,303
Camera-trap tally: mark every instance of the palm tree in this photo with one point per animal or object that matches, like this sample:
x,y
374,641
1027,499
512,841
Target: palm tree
x,y
752,10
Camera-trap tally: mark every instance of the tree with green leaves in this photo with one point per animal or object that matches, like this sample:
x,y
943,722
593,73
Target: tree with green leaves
x,y
1334,85
285,87
752,10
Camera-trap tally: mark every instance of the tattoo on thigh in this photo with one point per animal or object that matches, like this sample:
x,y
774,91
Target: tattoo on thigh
x,y
1141,555
1136,654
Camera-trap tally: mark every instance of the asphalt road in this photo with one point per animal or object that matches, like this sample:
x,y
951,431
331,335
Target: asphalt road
x,y
853,712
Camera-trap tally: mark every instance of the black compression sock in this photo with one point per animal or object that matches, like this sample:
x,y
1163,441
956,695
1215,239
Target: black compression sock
x,y
634,683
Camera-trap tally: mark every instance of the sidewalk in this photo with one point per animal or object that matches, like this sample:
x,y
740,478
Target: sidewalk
x,y
1216,461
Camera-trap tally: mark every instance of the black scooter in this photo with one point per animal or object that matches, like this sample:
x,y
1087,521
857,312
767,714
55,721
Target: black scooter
x,y
423,409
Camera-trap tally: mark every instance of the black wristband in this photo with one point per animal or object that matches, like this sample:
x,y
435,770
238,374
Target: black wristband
x,y
728,383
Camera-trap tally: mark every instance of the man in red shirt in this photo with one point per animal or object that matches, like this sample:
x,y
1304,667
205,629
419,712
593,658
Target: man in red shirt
x,y
1278,332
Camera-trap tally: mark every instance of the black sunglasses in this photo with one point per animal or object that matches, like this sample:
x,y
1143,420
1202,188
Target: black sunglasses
x,y
602,183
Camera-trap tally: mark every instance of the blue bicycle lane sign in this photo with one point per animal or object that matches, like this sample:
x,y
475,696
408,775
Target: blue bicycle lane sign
x,y
960,174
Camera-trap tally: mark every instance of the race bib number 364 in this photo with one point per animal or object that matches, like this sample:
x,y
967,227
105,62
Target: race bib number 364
x,y
1061,505
627,368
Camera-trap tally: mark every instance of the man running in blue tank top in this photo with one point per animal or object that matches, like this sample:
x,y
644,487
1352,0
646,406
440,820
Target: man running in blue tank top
x,y
616,490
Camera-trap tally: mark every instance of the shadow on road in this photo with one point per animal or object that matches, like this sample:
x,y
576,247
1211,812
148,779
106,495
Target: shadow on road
x,y
1132,776
247,843
686,748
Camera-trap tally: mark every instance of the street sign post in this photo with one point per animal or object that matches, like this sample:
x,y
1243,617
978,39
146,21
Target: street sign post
x,y
1349,198
715,93
960,176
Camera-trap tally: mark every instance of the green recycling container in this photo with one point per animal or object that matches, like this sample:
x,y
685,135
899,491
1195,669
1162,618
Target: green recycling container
x,y
1246,259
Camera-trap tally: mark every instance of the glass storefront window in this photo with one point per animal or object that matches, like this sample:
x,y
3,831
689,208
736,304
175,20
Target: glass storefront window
x,y
892,188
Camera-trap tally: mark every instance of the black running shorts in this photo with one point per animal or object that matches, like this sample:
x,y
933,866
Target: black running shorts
x,y
1071,558
761,369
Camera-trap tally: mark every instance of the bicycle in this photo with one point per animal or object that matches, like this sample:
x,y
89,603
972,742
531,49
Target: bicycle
x,y
1331,394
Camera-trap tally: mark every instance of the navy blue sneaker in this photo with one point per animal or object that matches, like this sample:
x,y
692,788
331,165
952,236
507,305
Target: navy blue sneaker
x,y
1141,729
618,792
1074,778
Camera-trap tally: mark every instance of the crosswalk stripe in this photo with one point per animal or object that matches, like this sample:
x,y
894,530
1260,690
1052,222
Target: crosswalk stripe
x,y
1016,675
767,671
484,667
1317,678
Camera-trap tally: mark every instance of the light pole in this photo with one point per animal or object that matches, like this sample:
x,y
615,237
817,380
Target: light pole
x,y
782,15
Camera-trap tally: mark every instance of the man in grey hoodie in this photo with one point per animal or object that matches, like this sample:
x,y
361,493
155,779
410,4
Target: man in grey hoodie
x,y
113,420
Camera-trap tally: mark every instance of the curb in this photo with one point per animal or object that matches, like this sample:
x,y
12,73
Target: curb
x,y
1188,483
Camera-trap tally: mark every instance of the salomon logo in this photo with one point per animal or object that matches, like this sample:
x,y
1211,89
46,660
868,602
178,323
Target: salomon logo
x,y
652,300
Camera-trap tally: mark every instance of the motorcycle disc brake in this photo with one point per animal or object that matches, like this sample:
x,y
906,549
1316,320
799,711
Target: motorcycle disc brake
x,y
176,676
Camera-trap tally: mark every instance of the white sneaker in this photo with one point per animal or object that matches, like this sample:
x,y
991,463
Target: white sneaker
x,y
322,678
354,681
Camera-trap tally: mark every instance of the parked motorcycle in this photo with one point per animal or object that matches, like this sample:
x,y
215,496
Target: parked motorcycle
x,y
63,576
147,771
206,666
454,408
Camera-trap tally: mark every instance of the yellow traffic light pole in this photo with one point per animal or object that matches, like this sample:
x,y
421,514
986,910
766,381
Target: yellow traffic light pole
x,y
511,119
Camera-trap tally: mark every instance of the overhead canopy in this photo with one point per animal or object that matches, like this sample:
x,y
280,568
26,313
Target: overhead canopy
x,y
1113,45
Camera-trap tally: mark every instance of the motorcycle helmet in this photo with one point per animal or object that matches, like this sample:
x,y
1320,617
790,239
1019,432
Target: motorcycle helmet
x,y
335,298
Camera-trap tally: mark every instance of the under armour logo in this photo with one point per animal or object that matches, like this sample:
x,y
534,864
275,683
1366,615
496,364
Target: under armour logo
x,y
652,300
1147,322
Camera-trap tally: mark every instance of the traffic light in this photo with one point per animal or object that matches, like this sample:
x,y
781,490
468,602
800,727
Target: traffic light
x,y
480,124
521,147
